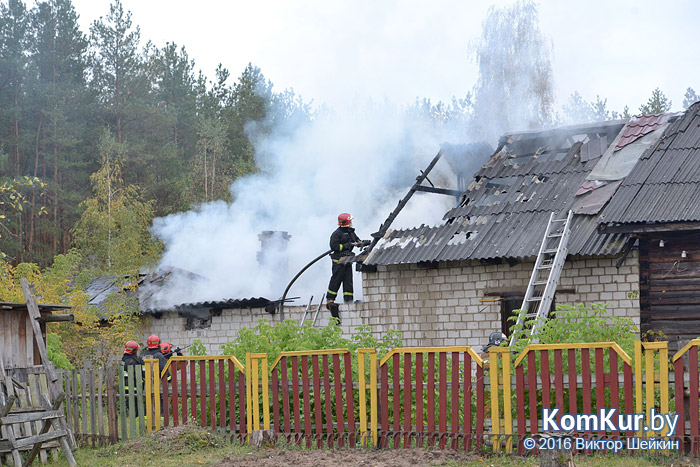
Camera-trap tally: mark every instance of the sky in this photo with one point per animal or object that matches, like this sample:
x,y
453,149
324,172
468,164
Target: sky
x,y
336,52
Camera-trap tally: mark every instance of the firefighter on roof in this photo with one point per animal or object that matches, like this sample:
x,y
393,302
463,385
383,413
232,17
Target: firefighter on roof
x,y
342,242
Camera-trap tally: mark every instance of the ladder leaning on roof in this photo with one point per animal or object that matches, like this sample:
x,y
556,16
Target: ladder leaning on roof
x,y
545,275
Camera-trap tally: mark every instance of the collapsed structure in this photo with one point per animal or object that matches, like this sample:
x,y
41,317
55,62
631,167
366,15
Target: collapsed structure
x,y
633,186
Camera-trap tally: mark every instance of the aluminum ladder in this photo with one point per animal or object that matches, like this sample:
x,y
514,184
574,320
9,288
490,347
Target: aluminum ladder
x,y
546,273
310,309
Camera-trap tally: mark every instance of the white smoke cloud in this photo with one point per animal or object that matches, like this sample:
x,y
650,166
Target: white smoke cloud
x,y
361,161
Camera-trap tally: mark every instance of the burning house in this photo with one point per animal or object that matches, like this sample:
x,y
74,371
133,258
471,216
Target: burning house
x,y
632,186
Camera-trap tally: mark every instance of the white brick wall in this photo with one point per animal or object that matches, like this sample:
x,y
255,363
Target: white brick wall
x,y
433,307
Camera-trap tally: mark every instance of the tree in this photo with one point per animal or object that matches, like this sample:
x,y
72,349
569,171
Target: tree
x,y
577,110
60,104
657,103
515,89
690,98
116,67
113,228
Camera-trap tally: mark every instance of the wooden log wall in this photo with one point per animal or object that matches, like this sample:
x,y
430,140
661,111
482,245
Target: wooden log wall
x,y
670,285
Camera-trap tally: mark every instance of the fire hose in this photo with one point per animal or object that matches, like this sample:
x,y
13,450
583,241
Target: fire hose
x,y
284,296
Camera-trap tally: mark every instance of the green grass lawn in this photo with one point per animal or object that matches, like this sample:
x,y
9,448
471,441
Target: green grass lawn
x,y
189,446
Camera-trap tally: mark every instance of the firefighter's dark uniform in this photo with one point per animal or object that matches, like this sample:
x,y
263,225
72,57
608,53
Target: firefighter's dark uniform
x,y
127,361
158,355
342,244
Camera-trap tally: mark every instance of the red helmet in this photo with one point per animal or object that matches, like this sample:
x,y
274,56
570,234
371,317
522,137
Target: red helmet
x,y
153,342
166,347
131,347
345,220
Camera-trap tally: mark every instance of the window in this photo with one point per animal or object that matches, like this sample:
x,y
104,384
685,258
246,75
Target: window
x,y
508,306
196,323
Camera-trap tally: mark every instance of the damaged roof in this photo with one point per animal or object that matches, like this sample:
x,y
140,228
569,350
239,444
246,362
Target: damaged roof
x,y
505,210
664,186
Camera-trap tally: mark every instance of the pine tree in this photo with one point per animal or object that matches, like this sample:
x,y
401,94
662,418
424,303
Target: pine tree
x,y
690,98
657,103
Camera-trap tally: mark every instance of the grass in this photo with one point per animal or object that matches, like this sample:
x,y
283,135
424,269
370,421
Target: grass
x,y
193,446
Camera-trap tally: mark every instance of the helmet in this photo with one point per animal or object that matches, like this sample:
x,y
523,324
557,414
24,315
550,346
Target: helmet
x,y
153,342
345,220
166,347
131,347
495,339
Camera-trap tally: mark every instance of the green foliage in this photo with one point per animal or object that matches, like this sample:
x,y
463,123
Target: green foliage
x,y
197,348
657,103
289,336
55,350
578,323
689,98
113,228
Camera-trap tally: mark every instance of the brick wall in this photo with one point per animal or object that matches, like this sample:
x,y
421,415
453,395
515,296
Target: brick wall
x,y
446,306
433,307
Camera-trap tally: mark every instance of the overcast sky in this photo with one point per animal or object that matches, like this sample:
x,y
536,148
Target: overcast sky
x,y
338,51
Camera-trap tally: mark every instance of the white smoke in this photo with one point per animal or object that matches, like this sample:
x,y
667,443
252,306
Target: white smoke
x,y
357,161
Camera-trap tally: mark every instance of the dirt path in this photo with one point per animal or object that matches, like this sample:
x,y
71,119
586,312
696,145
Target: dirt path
x,y
349,458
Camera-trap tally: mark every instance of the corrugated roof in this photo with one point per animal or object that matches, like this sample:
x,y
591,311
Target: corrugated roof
x,y
665,185
239,303
640,126
505,210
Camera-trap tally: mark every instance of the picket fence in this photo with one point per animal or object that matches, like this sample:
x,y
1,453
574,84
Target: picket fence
x,y
442,397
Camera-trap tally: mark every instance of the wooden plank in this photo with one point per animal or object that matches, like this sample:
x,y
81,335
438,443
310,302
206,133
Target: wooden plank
x,y
100,407
85,416
193,391
140,398
694,390
546,382
340,423
480,407
222,395
183,384
467,401
558,379
285,395
407,390
419,399
306,388
431,399
174,396
573,398
318,406
131,370
455,399
327,394
242,402
614,386
275,400
532,390
167,403
350,400
442,405
212,395
26,442
384,402
122,400
29,417
91,404
396,394
202,392
111,407
295,397
520,395
680,402
231,396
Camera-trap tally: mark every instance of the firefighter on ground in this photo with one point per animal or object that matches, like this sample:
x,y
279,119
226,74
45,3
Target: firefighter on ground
x,y
167,350
130,358
153,351
343,240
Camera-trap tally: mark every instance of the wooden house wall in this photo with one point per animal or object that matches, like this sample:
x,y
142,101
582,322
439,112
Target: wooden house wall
x,y
670,285
17,347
